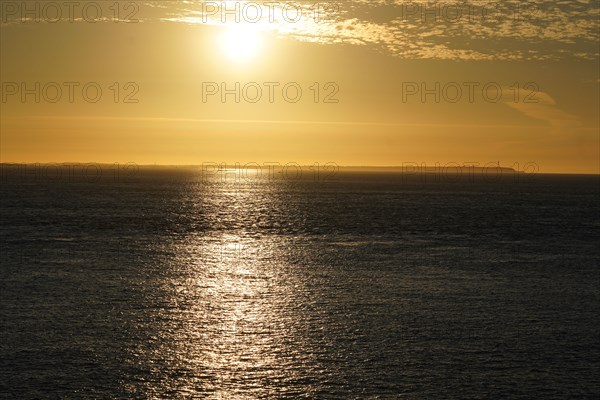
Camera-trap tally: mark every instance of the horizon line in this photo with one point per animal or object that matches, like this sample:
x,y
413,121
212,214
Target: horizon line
x,y
431,168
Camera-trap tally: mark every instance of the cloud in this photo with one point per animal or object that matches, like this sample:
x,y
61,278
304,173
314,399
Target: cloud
x,y
425,29
415,29
541,106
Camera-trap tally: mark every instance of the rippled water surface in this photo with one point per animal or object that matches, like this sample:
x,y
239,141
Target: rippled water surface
x,y
165,285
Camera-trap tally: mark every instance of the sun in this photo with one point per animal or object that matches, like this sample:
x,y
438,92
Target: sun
x,y
240,44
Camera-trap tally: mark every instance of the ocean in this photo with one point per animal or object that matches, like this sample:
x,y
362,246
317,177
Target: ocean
x,y
126,282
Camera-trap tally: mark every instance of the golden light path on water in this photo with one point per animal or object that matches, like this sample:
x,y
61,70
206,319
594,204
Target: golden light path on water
x,y
232,330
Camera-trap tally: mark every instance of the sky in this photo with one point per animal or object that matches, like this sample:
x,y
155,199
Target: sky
x,y
360,83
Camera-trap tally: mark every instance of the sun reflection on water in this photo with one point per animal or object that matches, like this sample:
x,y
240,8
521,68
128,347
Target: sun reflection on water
x,y
230,295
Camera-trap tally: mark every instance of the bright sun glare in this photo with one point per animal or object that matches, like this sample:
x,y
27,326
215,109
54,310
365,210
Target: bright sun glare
x,y
240,44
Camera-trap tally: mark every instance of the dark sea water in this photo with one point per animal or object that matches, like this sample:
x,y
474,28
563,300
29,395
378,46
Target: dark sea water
x,y
167,284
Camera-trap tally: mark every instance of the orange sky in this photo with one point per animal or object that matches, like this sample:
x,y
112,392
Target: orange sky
x,y
361,68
